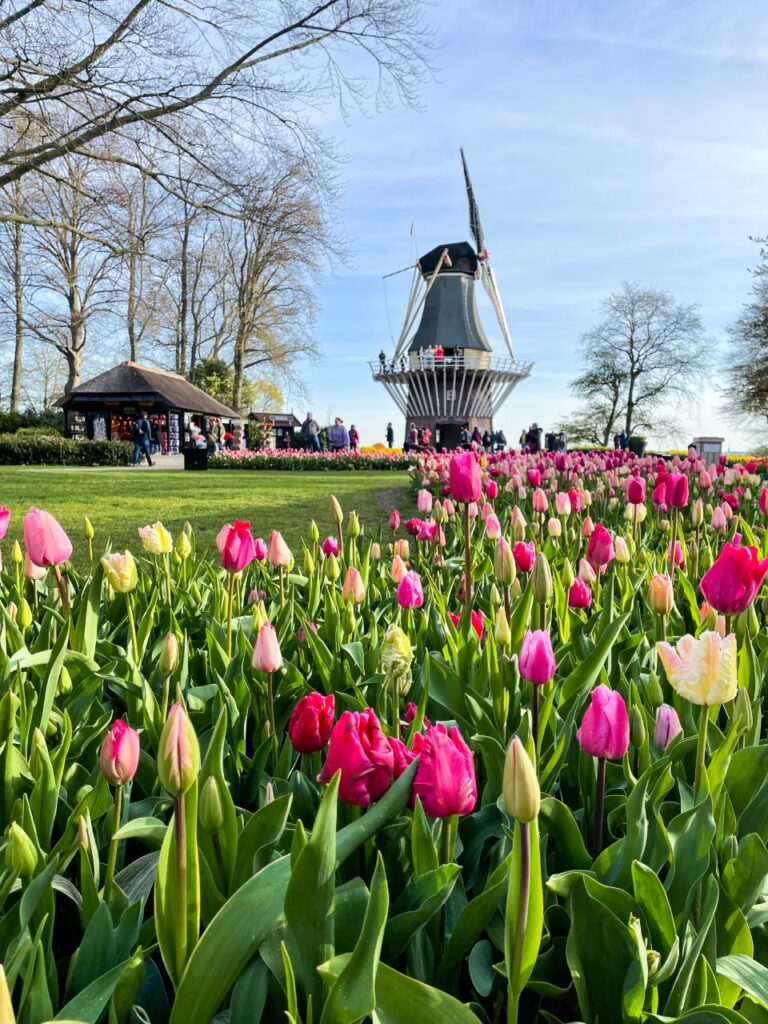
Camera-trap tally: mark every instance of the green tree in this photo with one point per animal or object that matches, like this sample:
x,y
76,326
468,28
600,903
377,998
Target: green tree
x,y
216,377
746,368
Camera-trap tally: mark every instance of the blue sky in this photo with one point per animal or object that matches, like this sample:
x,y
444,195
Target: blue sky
x,y
606,141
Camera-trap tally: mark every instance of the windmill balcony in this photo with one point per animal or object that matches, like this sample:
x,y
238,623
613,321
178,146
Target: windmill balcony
x,y
399,371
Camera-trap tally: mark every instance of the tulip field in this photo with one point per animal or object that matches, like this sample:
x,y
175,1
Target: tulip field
x,y
503,761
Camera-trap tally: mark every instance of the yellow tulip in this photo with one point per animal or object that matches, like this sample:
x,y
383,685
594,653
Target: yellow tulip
x,y
156,539
703,668
120,570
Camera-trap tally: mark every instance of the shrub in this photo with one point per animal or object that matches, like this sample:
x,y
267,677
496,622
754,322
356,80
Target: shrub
x,y
38,432
23,450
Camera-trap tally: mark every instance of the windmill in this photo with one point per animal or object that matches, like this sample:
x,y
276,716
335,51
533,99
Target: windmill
x,y
443,375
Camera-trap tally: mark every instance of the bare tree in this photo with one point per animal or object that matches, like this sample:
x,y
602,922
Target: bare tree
x,y
647,349
149,70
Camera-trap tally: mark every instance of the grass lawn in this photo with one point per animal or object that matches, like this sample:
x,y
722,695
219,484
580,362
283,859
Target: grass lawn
x,y
119,501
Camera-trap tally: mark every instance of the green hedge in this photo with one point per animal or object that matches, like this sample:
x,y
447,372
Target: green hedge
x,y
21,450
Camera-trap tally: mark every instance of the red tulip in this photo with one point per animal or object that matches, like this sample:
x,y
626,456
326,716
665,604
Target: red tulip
x,y
236,546
363,753
732,583
311,722
600,548
536,660
604,729
524,554
677,490
465,480
119,755
475,617
45,540
445,779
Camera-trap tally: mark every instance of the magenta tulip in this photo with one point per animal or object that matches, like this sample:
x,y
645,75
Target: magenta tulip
x,y
580,594
5,518
677,490
260,549
536,660
732,583
445,779
237,548
119,755
410,593
524,554
311,722
636,490
45,540
604,729
667,726
394,519
491,489
600,547
363,754
465,481
402,755
330,546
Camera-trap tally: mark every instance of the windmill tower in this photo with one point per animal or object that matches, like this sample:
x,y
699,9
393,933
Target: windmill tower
x,y
443,374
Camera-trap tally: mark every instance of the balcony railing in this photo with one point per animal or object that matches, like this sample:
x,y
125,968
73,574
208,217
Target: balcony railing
x,y
422,361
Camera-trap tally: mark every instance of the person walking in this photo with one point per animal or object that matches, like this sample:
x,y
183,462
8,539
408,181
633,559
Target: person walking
x,y
390,435
354,438
310,434
142,440
338,437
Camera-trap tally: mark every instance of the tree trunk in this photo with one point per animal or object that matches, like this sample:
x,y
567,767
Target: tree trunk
x,y
74,359
133,338
18,291
181,352
238,368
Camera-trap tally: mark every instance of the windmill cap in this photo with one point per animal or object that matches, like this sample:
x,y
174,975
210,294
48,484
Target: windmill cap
x,y
463,259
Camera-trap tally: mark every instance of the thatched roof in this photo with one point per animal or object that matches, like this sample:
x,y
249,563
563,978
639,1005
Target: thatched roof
x,y
133,382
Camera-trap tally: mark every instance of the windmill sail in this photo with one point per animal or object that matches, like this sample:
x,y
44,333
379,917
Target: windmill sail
x,y
474,213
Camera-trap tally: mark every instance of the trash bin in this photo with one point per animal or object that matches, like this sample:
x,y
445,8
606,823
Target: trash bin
x,y
195,458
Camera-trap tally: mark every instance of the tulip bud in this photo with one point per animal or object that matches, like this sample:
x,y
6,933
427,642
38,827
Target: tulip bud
x,y
495,596
655,692
742,708
439,514
187,528
504,562
348,622
542,579
20,852
554,527
178,754
637,730
587,527
83,836
697,512
353,527
65,681
501,630
16,556
567,575
336,513
258,617
309,562
314,533
660,594
375,551
621,551
211,812
24,615
515,590
331,568
12,609
184,546
518,529
664,525
87,528
667,726
522,796
267,656
169,655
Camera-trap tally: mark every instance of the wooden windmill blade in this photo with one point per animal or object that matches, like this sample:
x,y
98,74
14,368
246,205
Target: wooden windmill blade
x,y
486,271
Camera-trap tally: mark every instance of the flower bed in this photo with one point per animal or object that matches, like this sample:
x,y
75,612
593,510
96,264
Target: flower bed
x,y
298,460
503,762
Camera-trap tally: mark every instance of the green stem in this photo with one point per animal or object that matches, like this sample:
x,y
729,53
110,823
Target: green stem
x,y
282,587
271,710
701,748
535,716
230,599
61,583
166,692
671,552
395,708
167,564
467,561
448,829
513,1001
113,842
597,827
180,828
132,627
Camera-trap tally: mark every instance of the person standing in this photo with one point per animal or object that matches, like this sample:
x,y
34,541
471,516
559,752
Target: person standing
x,y
390,435
354,438
310,434
382,361
338,437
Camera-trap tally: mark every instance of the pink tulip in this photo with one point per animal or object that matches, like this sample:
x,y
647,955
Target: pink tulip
x,y
492,527
562,504
705,480
660,494
677,490
732,583
678,553
361,751
539,501
600,548
311,722
424,502
330,546
762,502
604,729
428,531
394,519
465,480
719,520
260,549
445,779
119,755
636,490
491,489
353,588
534,477
667,726
32,571
536,660
402,548
236,546
399,569
402,755
266,651
524,554
577,499
448,508
475,617
587,527
5,518
580,594
45,540
410,593
586,572
279,552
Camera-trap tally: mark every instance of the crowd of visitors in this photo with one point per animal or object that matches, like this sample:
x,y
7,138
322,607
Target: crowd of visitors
x,y
338,437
